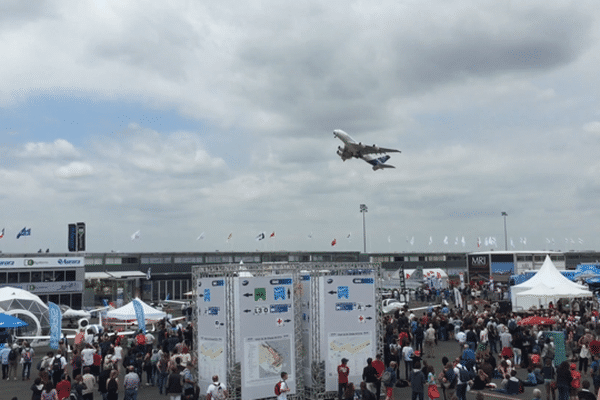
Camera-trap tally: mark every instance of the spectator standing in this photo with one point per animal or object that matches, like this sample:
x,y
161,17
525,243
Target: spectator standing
x,y
369,375
430,342
27,355
389,379
13,361
283,387
49,393
380,367
63,388
173,386
188,380
90,384
58,367
4,356
216,390
131,383
112,386
343,371
417,382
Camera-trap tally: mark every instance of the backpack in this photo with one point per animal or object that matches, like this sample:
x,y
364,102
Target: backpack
x,y
575,379
219,394
27,356
452,378
464,374
12,356
386,377
278,388
56,364
39,365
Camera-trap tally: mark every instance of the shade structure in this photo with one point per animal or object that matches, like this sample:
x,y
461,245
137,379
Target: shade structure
x,y
27,307
547,285
127,312
8,321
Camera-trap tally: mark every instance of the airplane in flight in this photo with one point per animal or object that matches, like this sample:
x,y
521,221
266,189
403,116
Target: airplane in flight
x,y
365,152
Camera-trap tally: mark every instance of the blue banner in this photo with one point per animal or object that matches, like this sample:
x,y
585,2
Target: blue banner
x,y
139,314
55,317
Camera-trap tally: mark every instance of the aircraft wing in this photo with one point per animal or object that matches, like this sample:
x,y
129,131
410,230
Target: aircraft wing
x,y
359,148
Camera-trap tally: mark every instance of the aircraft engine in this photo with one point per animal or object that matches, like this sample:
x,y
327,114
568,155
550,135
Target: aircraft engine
x,y
375,147
82,323
339,153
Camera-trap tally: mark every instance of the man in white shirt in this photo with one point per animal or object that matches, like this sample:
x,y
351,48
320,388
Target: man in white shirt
x,y
87,355
283,387
216,390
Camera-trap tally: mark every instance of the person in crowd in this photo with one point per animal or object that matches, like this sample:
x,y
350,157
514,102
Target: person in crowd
x,y
27,354
131,384
343,371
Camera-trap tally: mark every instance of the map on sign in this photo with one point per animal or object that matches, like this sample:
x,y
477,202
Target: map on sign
x,y
211,356
355,346
271,354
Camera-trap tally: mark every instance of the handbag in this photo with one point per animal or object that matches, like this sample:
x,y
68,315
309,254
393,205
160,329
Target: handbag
x,y
433,392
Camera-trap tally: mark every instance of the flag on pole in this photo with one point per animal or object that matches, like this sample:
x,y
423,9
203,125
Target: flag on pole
x,y
310,235
348,237
2,233
272,234
260,236
229,237
464,243
148,274
430,240
456,241
136,235
580,240
446,240
412,240
333,242
24,232
478,242
512,244
201,236
389,239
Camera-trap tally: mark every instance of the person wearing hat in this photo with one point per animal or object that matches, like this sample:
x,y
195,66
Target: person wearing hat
x,y
343,372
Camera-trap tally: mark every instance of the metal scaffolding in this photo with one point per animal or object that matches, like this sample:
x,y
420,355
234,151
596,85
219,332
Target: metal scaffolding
x,y
315,389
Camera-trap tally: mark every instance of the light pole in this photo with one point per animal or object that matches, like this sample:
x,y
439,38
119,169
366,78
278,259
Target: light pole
x,y
504,214
363,210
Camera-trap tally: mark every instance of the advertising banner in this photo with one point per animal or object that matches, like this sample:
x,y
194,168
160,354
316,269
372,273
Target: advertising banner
x,y
139,315
55,319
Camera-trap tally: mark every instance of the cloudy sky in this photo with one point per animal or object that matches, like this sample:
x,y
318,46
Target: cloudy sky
x,y
216,117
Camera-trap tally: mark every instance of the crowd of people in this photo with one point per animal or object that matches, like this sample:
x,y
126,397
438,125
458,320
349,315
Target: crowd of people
x,y
492,346
105,365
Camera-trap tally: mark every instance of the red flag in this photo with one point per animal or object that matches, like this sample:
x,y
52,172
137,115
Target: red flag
x,y
272,234
333,242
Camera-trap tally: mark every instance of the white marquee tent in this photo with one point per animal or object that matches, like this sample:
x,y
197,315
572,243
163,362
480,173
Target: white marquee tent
x,y
547,285
127,312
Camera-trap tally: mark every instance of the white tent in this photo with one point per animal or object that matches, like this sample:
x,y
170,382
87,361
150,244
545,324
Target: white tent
x,y
547,285
26,306
127,312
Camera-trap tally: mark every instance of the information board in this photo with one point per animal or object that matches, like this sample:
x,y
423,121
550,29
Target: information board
x,y
267,334
211,330
350,324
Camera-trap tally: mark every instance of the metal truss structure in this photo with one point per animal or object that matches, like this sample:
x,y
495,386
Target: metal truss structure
x,y
314,390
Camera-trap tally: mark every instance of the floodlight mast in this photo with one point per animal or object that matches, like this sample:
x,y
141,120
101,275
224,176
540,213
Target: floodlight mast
x,y
504,214
363,210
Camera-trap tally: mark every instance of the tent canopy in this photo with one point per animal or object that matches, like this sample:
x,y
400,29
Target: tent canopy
x,y
127,312
547,285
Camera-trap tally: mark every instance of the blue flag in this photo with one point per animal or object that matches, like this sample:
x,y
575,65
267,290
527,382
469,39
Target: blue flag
x,y
24,232
139,314
55,317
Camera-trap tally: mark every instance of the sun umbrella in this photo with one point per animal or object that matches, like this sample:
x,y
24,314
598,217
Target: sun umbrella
x,y
537,321
8,321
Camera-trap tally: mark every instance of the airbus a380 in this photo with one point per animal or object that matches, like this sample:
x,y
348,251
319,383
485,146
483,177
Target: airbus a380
x,y
358,150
